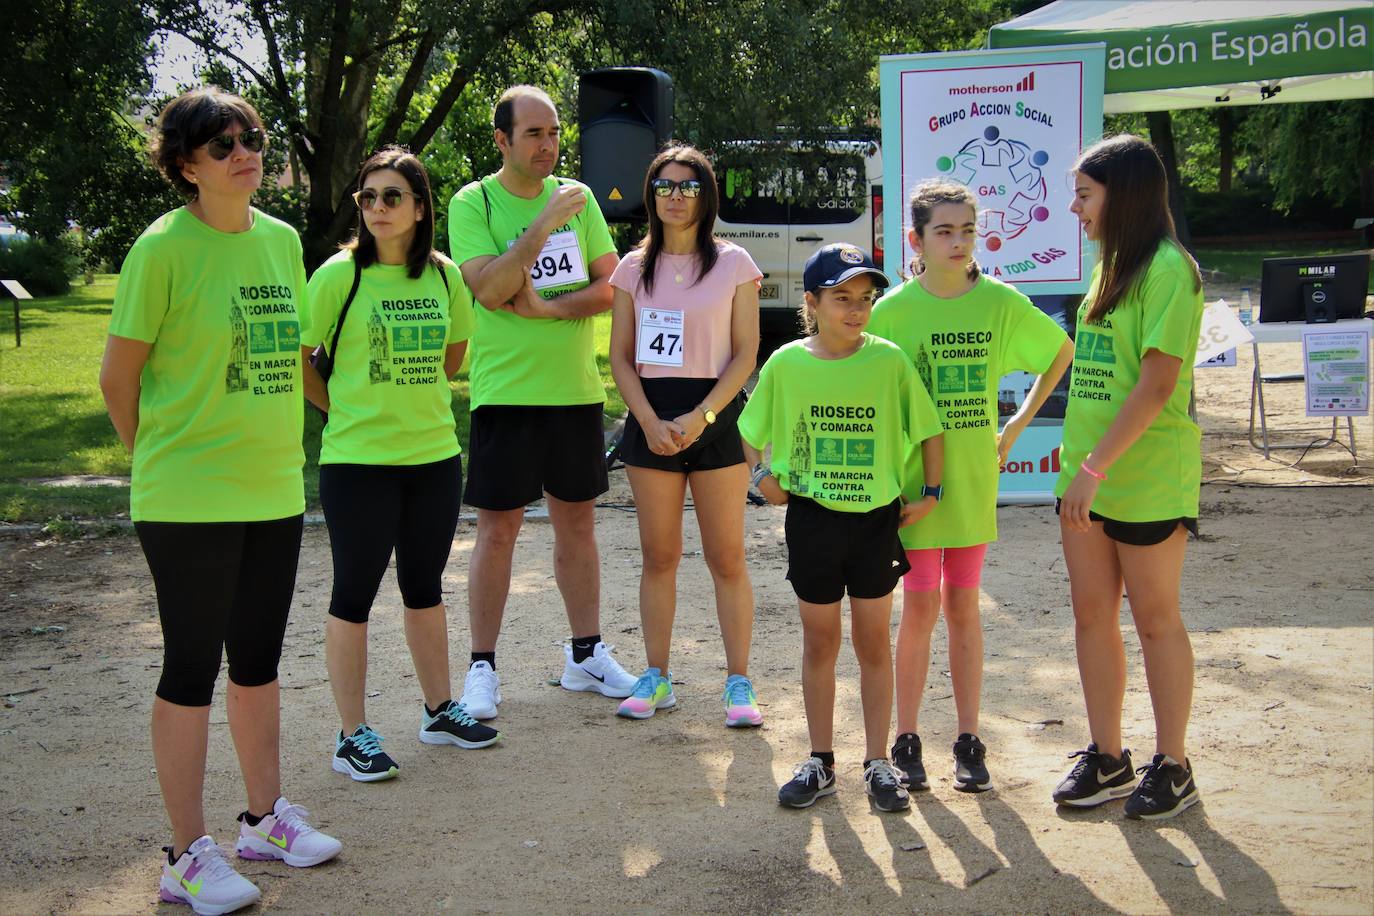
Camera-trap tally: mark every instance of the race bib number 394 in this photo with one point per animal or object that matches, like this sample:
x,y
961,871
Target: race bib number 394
x,y
560,262
660,337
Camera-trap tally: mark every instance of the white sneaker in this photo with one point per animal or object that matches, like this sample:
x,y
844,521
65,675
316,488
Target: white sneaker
x,y
202,878
481,691
601,673
284,834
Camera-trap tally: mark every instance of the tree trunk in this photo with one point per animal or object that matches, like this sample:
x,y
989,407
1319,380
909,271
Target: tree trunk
x,y
1162,136
1226,148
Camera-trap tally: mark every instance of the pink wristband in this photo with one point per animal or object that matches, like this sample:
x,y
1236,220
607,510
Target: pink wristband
x,y
1090,472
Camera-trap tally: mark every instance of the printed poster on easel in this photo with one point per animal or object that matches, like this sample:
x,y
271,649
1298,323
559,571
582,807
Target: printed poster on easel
x,y
1336,364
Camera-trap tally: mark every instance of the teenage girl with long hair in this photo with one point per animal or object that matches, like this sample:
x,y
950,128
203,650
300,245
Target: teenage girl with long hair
x,y
963,331
1131,467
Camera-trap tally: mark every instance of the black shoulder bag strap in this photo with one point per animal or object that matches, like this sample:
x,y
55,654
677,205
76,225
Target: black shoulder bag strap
x,y
343,312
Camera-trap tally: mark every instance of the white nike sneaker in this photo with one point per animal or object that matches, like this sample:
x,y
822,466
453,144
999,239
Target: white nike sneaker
x,y
601,673
286,835
204,880
481,691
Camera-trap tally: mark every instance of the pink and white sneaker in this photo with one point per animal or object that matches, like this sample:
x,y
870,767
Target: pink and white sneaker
x,y
285,835
202,879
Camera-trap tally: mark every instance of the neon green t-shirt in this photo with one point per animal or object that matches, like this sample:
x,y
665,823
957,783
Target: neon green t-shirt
x,y
1158,477
389,402
220,411
961,348
840,428
531,361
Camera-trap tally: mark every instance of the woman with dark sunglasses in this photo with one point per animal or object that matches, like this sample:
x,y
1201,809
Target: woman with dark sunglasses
x,y
390,472
202,379
684,338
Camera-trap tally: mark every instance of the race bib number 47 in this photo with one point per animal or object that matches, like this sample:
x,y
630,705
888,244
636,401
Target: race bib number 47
x,y
660,337
559,263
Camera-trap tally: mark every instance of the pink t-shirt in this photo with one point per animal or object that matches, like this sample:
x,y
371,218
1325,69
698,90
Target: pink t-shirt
x,y
705,305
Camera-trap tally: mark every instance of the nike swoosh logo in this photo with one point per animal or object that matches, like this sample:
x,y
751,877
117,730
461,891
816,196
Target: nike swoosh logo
x,y
279,843
360,764
1103,777
1179,790
193,889
589,674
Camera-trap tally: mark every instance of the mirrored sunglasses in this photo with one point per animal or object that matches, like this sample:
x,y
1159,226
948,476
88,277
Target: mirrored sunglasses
x,y
664,187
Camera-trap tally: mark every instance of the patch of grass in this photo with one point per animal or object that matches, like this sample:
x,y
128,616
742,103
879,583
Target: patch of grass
x,y
53,421
1242,263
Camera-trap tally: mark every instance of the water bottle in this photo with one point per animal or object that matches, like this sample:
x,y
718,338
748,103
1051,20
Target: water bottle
x,y
1247,311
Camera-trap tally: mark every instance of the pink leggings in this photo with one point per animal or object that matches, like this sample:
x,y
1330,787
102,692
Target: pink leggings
x,y
963,567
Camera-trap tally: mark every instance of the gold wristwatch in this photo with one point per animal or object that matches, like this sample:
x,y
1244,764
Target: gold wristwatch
x,y
708,413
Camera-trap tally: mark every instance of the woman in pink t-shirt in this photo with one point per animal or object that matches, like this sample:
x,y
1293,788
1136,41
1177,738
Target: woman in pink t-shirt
x,y
684,336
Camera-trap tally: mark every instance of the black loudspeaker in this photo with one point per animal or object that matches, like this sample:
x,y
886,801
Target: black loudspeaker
x,y
624,116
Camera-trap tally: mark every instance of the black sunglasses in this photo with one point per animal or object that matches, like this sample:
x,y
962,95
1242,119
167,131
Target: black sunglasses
x,y
220,147
664,187
366,199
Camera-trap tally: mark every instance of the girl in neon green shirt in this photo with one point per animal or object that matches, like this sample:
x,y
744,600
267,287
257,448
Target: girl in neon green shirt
x,y
963,331
1131,466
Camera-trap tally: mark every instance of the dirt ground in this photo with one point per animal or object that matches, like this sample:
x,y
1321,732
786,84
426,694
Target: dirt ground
x,y
576,810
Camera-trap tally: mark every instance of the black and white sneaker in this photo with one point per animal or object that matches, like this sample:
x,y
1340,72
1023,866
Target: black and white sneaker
x,y
1167,789
884,786
811,779
360,755
970,773
451,724
906,757
1095,779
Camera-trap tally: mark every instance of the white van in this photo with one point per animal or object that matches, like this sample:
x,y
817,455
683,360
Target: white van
x,y
759,212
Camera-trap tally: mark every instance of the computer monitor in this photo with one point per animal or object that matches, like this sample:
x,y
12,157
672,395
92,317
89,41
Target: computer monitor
x,y
1315,289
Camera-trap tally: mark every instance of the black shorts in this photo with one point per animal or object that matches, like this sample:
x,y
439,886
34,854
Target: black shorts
x,y
222,588
719,446
517,454
830,552
371,509
1138,534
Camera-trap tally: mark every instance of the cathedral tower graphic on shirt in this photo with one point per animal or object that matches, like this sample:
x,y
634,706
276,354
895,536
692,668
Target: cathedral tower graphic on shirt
x,y
923,368
799,459
378,350
236,373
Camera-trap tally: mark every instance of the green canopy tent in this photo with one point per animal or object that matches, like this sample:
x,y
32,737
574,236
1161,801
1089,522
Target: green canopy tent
x,y
1171,54
1167,54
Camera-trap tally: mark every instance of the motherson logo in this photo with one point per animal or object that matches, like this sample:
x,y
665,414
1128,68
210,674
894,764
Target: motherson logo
x,y
1026,84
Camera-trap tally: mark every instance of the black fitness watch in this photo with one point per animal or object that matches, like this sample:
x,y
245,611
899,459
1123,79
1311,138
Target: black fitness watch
x,y
937,491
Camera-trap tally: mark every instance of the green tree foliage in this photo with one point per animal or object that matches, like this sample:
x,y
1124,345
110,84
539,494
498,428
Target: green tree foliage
x,y
347,76
72,151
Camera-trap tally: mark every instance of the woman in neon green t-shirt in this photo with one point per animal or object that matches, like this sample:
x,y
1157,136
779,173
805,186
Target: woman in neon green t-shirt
x,y
395,316
963,331
202,380
1131,466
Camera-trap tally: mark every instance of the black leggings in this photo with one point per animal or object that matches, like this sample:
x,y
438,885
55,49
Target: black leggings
x,y
222,587
371,509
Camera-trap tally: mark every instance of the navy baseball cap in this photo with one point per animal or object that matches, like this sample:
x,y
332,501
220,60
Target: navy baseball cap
x,y
836,263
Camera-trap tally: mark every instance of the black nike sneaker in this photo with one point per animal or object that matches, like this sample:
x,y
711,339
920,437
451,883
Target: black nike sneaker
x,y
811,779
884,786
1095,779
360,755
451,724
970,773
906,757
1167,789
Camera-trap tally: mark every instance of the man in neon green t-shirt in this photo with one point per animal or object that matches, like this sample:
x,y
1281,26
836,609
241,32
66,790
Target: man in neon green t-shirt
x,y
535,251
